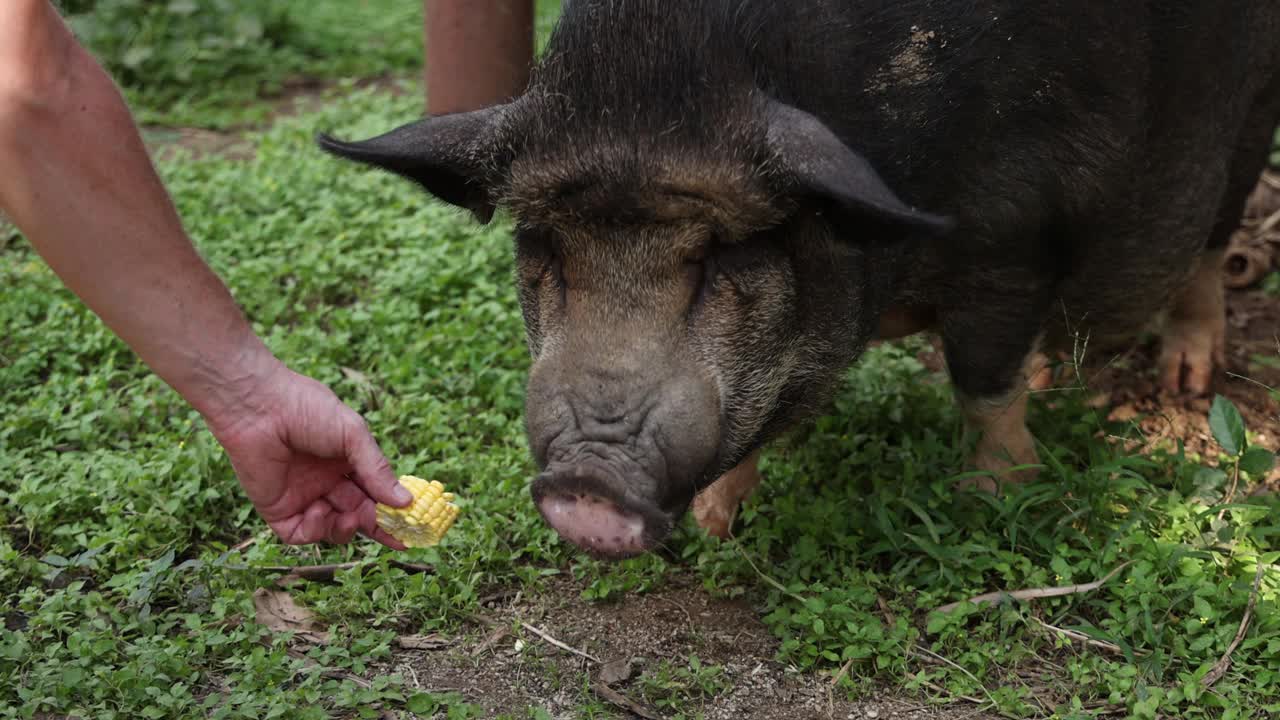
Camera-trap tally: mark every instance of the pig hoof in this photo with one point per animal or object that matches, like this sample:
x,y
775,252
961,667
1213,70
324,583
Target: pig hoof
x,y
1043,374
1195,337
1004,442
716,521
998,456
1040,372
1000,475
1189,355
716,507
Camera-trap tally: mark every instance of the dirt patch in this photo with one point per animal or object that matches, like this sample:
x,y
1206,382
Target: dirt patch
x,y
296,97
165,143
1253,368
653,633
303,95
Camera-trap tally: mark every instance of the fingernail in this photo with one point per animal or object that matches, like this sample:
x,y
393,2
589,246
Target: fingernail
x,y
401,495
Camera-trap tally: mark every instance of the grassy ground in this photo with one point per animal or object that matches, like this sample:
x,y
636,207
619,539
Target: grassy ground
x,y
135,582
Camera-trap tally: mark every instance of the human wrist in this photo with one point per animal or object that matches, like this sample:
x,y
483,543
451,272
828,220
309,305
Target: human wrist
x,y
231,383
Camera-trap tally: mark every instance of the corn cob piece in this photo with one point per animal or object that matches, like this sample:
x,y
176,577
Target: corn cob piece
x,y
423,523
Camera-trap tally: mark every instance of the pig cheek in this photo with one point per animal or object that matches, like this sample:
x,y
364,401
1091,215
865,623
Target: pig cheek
x,y
722,338
746,341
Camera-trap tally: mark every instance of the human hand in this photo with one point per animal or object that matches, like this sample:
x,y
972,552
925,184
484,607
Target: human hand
x,y
307,461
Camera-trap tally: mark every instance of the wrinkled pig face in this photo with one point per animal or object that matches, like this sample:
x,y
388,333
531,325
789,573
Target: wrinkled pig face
x,y
684,301
657,342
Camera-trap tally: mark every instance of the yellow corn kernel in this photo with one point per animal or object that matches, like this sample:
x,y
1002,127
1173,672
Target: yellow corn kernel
x,y
423,523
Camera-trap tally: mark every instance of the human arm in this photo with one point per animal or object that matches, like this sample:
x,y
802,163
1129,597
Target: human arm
x,y
78,183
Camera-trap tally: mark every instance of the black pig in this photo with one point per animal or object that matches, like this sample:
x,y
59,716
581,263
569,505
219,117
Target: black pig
x,y
719,203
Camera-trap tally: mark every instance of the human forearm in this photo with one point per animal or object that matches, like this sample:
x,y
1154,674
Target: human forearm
x,y
77,181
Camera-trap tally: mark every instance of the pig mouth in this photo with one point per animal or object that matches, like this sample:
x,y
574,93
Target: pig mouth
x,y
604,525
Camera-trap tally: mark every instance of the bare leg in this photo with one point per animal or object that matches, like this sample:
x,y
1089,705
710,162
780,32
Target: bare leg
x,y
1195,334
478,52
716,507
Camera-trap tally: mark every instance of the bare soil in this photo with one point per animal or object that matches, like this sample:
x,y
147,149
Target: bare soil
x,y
513,672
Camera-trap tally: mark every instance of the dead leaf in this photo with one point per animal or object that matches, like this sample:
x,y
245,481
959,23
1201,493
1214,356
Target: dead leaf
x,y
1099,401
363,384
1123,413
423,642
278,612
356,376
615,671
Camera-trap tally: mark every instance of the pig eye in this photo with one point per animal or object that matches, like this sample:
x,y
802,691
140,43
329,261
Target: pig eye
x,y
703,273
540,250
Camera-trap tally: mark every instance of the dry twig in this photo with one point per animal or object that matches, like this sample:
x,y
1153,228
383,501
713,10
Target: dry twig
x,y
1036,593
326,573
889,619
1081,637
245,544
542,634
1220,668
1231,491
938,688
499,632
617,699
932,656
831,698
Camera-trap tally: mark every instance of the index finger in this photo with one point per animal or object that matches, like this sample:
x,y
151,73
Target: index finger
x,y
373,472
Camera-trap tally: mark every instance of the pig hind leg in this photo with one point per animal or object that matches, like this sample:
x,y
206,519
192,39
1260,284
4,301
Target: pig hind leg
x,y
1194,338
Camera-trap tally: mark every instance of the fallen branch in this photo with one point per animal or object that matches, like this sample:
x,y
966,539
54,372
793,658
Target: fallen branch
x,y
617,699
1220,667
542,634
1035,593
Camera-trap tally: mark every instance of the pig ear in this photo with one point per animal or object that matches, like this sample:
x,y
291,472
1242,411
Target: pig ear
x,y
448,155
818,163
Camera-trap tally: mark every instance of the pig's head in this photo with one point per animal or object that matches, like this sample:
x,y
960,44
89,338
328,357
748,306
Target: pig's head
x,y
692,282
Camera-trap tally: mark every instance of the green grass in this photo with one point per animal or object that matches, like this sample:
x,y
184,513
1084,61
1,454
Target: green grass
x,y
121,598
207,63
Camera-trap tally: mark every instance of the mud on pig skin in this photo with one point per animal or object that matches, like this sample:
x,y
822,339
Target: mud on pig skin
x,y
718,204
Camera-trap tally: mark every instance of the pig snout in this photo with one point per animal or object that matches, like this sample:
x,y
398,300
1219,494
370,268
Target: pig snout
x,y
621,463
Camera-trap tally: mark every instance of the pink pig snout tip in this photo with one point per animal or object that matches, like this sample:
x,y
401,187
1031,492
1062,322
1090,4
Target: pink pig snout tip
x,y
594,524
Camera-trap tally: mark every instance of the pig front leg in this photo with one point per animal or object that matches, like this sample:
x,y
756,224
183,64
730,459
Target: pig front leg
x,y
716,507
1195,333
1004,440
993,360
